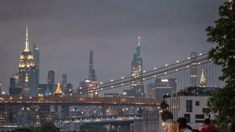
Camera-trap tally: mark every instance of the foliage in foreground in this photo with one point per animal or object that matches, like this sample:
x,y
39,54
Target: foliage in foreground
x,y
222,36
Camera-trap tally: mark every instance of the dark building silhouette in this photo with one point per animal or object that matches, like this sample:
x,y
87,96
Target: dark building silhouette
x,y
36,57
193,69
51,80
14,90
92,75
64,80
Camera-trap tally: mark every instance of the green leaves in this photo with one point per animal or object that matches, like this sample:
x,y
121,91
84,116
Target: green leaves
x,y
222,36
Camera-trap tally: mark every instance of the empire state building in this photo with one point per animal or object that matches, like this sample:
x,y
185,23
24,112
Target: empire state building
x,y
27,70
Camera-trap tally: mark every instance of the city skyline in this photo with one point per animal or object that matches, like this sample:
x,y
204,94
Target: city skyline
x,y
70,53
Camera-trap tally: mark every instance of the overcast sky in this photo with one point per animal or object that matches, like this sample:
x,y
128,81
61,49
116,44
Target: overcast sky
x,y
66,30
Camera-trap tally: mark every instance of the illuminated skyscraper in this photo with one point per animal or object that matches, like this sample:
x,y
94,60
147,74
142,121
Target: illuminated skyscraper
x,y
58,90
202,79
136,71
92,75
27,71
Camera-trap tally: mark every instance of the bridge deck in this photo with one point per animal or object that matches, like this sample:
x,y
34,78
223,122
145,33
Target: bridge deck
x,y
73,100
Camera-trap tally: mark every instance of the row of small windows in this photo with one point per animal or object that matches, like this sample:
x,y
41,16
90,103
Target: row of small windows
x,y
200,118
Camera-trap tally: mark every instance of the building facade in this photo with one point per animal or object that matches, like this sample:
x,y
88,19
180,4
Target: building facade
x,y
27,71
137,86
161,87
193,69
51,79
92,75
190,107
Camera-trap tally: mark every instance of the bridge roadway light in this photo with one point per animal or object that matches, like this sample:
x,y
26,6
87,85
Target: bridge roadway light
x,y
177,61
188,58
155,68
200,54
166,64
122,77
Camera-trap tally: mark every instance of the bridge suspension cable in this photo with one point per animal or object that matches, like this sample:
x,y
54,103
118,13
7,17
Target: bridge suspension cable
x,y
156,72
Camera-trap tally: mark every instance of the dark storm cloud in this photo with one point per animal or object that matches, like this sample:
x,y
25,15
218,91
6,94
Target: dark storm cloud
x,y
66,30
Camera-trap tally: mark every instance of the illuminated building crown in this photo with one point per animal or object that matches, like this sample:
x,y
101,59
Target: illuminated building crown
x,y
202,79
58,90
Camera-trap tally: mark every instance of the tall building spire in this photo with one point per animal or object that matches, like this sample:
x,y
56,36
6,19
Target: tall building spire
x,y
137,49
202,79
26,40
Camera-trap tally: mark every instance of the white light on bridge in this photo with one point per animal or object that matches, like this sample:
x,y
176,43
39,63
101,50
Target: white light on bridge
x,y
122,84
165,73
111,86
154,76
166,64
200,54
187,66
144,71
176,69
177,61
188,58
123,77
111,80
155,68
101,82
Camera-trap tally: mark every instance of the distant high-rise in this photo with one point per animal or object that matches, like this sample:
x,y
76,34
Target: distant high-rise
x,y
64,80
137,71
51,79
161,87
27,71
36,58
92,75
193,69
69,89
